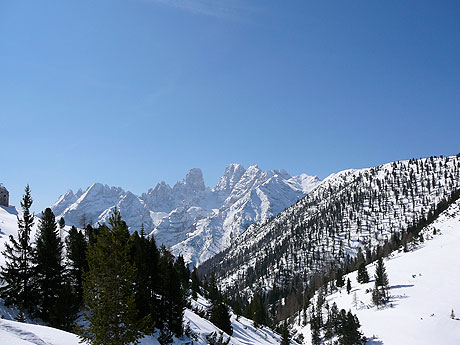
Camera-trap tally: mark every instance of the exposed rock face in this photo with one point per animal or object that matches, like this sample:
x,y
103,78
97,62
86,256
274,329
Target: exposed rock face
x,y
192,219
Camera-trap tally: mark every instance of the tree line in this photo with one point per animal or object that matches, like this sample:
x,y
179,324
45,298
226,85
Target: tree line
x,y
122,285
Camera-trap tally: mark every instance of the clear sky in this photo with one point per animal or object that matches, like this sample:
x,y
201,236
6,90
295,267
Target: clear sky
x,y
132,92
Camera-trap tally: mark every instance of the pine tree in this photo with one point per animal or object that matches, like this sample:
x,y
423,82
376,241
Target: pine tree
x,y
220,317
76,247
195,286
258,314
349,333
363,276
285,335
173,300
49,268
109,289
339,278
380,292
16,275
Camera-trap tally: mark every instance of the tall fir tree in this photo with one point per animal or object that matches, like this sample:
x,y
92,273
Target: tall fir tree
x,y
220,316
285,334
76,247
173,300
340,282
16,275
363,276
109,290
380,294
49,268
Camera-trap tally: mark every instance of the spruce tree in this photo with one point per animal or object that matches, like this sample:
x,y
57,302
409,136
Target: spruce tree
x,y
195,286
380,292
348,285
76,247
49,268
220,316
16,275
285,335
339,278
363,276
173,302
109,290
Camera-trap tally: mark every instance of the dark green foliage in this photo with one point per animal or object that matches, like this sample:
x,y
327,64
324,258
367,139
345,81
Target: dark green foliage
x,y
339,282
16,275
195,286
348,330
285,335
76,247
49,267
220,317
144,255
315,326
343,325
380,293
257,311
214,340
62,222
109,290
363,276
173,300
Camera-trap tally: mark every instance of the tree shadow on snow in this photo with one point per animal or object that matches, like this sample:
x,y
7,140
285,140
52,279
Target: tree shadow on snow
x,y
401,286
374,342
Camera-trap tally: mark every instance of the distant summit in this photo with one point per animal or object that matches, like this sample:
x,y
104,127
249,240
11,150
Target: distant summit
x,y
191,218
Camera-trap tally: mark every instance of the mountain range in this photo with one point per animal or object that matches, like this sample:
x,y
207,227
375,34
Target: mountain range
x,y
192,219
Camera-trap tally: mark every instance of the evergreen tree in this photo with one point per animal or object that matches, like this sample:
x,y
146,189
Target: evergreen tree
x,y
349,333
220,317
363,276
49,270
339,278
195,286
109,290
380,292
76,247
258,313
315,328
16,275
285,335
145,265
173,300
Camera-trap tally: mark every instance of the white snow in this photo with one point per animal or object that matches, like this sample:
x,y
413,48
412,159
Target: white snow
x,y
190,218
424,289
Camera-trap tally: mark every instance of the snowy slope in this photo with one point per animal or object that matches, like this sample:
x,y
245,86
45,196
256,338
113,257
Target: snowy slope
x,y
424,289
16,333
349,210
244,332
9,226
190,218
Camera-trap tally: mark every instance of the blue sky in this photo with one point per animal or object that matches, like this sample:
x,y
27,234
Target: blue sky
x,y
130,93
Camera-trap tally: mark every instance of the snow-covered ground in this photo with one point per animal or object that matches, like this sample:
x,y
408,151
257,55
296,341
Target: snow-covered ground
x,y
425,287
244,332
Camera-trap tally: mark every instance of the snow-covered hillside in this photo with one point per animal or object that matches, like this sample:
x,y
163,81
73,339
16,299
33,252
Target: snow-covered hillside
x,y
424,289
244,332
190,218
349,210
9,226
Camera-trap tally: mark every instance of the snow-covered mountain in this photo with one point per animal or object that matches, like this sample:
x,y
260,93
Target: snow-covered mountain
x,y
366,208
190,218
423,292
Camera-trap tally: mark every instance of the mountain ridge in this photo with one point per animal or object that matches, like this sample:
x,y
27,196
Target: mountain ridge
x,y
192,219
